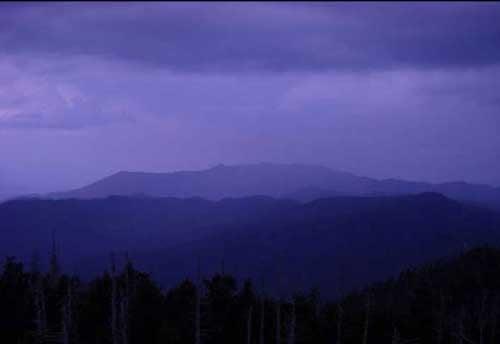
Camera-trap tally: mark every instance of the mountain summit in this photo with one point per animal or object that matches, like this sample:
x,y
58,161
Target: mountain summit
x,y
295,181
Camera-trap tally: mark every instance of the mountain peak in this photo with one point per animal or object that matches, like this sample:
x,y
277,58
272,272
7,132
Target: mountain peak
x,y
275,180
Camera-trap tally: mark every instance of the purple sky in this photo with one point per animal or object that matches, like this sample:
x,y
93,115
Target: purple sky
x,y
384,90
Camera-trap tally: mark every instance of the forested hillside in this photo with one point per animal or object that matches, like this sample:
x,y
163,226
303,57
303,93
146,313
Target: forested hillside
x,y
455,300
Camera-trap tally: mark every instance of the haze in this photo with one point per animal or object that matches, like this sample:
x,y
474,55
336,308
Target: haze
x,y
383,90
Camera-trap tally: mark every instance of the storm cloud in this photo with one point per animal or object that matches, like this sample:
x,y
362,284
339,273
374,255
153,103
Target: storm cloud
x,y
249,37
406,90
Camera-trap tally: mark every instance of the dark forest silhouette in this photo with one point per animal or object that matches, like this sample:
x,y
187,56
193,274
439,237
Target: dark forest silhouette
x,y
455,300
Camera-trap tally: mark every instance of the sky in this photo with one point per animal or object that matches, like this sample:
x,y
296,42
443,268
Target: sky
x,y
386,90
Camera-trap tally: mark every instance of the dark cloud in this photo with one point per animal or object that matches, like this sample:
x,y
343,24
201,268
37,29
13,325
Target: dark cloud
x,y
277,37
405,90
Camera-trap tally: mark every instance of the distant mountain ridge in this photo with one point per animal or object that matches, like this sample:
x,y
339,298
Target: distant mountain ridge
x,y
305,245
295,181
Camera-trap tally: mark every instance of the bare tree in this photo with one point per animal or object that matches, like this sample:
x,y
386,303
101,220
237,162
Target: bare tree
x,y
279,300
278,322
482,315
124,302
262,316
367,317
67,315
197,321
440,318
396,338
249,325
493,318
40,307
340,294
114,302
460,326
292,324
340,319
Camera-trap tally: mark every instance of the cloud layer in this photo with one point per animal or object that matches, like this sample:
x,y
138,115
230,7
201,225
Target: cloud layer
x,y
249,37
386,90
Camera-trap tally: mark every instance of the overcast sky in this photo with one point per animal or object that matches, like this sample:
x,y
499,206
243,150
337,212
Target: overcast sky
x,y
384,90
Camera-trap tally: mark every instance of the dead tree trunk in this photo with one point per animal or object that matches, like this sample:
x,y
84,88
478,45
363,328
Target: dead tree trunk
x,y
482,316
67,316
262,315
249,325
396,339
123,320
367,318
292,325
40,308
278,322
440,318
37,288
124,303
340,318
493,315
460,326
114,303
197,317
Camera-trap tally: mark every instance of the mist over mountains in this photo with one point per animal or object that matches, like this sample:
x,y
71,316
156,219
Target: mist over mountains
x,y
294,181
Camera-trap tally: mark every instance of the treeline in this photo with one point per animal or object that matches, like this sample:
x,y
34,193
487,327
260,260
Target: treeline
x,y
451,301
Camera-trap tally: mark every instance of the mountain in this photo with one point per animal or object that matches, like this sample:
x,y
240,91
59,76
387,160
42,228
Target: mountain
x,y
84,227
350,239
300,182
220,181
280,242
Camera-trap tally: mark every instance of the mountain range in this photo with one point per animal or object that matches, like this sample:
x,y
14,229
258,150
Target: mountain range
x,y
285,244
285,225
294,181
